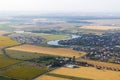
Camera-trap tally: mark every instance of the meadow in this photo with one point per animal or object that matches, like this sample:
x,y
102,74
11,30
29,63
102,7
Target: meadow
x,y
65,52
49,37
23,71
4,78
23,55
5,61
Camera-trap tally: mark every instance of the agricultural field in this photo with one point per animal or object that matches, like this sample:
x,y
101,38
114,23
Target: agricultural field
x,y
3,32
66,52
5,27
88,72
4,78
100,27
4,22
53,36
42,35
47,77
110,22
23,71
98,63
61,26
5,61
22,55
6,41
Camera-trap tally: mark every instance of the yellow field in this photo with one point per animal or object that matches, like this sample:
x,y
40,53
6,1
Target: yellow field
x,y
5,41
89,72
51,51
3,32
117,66
46,77
100,27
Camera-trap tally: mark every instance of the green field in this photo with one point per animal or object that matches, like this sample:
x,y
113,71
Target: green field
x,y
22,55
53,36
45,36
5,27
24,71
4,61
4,78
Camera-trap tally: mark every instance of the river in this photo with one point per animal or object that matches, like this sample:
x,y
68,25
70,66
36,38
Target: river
x,y
55,42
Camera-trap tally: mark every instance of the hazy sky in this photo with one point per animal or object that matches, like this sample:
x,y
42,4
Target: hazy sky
x,y
61,5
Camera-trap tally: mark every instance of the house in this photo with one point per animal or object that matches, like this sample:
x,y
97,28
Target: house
x,y
71,66
19,31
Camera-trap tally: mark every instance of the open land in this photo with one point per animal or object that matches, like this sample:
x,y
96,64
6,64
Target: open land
x,y
88,72
53,36
6,41
5,61
23,55
23,71
42,35
44,27
4,32
100,27
46,77
104,64
66,52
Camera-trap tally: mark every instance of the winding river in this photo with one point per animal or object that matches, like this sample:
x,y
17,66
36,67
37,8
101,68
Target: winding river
x,y
55,42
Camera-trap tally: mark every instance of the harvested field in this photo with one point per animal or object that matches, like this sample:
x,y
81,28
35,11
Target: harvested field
x,y
45,50
102,64
46,77
4,32
6,41
100,27
88,72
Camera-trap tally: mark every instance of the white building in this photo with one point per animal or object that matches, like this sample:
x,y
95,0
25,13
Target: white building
x,y
19,31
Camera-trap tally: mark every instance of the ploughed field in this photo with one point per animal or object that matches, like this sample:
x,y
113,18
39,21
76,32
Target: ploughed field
x,y
65,52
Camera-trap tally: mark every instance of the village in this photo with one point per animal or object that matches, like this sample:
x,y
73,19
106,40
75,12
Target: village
x,y
98,47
